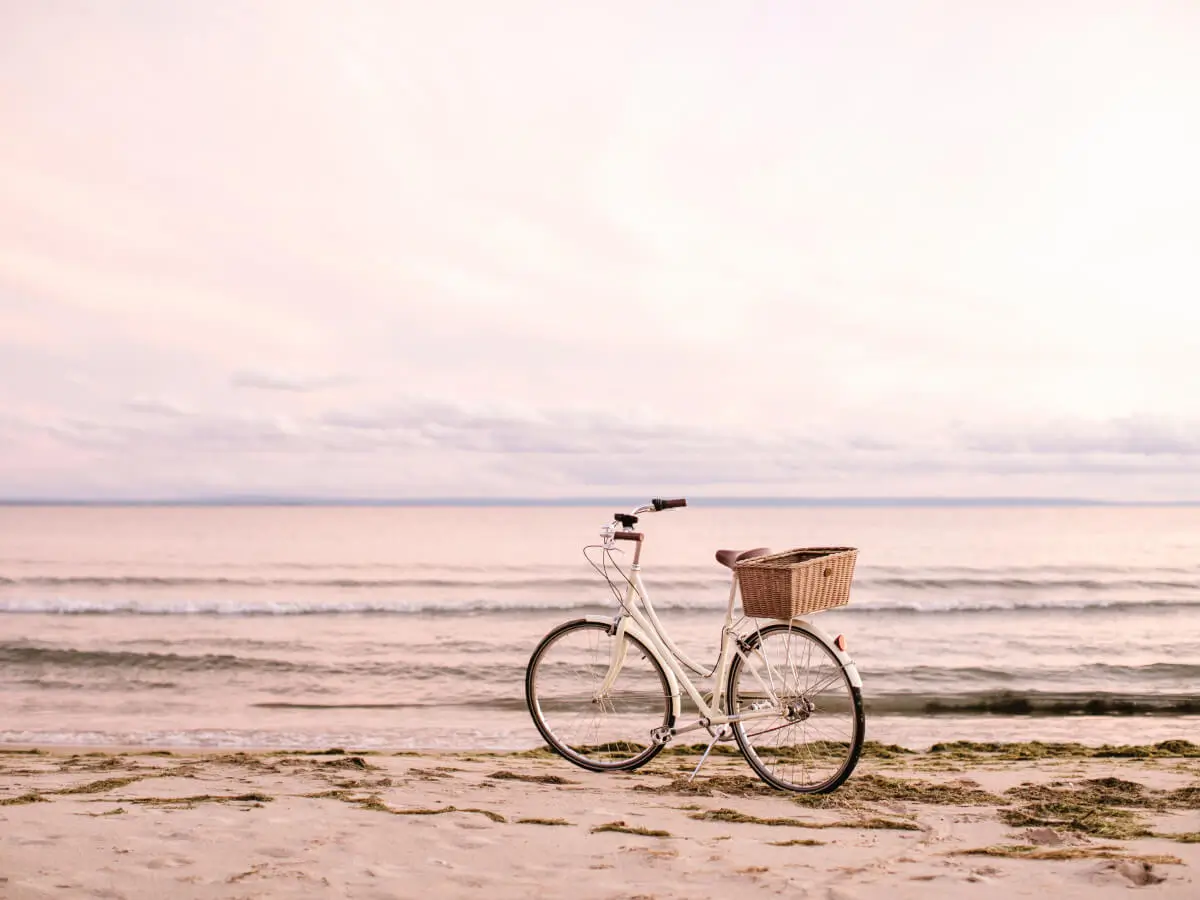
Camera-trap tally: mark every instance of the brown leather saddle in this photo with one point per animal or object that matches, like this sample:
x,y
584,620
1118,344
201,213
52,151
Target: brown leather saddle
x,y
730,557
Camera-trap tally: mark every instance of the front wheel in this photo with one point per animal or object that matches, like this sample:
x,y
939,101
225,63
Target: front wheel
x,y
803,722
597,698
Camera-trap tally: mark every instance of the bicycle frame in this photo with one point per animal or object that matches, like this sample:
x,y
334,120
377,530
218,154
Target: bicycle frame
x,y
640,621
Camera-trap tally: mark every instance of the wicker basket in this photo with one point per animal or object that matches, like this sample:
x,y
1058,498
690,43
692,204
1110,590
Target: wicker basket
x,y
797,582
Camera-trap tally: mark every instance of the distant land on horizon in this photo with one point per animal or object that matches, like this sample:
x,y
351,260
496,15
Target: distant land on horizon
x,y
249,501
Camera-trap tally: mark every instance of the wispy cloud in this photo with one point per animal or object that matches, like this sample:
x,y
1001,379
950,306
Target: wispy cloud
x,y
514,450
298,384
1126,436
156,406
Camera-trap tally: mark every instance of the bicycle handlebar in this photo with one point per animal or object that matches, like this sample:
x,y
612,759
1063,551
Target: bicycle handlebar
x,y
656,505
626,521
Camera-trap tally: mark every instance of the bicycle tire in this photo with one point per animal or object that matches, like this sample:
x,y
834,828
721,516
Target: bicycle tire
x,y
601,734
778,749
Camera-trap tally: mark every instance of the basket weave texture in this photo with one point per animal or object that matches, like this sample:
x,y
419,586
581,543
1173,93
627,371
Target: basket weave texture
x,y
796,582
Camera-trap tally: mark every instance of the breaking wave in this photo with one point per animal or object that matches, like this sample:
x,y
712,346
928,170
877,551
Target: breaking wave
x,y
385,607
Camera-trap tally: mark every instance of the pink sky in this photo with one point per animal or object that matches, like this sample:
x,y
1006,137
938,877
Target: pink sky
x,y
392,249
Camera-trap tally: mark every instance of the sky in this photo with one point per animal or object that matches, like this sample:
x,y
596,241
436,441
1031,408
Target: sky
x,y
539,249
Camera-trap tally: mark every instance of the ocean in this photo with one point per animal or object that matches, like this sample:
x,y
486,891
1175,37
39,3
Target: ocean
x,y
410,627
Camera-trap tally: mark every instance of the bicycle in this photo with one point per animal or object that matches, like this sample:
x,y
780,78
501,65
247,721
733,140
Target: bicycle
x,y
605,692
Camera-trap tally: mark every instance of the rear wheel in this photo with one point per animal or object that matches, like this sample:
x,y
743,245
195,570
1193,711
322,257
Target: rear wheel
x,y
598,728
804,722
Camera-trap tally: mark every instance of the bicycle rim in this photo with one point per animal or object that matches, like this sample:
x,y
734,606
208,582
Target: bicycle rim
x,y
804,722
596,729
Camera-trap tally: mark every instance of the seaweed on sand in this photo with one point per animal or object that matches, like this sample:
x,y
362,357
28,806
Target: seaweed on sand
x,y
92,762
415,772
733,815
346,762
248,762
697,749
505,775
23,799
375,802
362,783
876,750
733,785
189,802
1092,791
857,791
1184,798
1053,750
543,752
1089,809
1176,748
621,828
1009,751
870,788
537,821
1028,851
1104,807
98,787
340,794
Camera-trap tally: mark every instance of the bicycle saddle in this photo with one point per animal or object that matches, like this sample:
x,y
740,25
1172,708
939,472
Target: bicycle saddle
x,y
729,557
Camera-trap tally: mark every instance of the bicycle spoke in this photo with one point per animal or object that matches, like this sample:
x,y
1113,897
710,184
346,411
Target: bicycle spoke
x,y
597,729
810,740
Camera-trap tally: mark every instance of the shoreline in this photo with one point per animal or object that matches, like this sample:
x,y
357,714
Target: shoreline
x,y
1050,747
995,820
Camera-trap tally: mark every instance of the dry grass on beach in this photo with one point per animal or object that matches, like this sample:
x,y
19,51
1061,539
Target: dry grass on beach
x,y
962,820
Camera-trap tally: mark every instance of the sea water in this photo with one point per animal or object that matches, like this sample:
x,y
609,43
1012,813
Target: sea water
x,y
410,627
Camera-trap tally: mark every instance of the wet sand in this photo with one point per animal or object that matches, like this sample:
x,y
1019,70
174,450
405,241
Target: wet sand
x,y
967,821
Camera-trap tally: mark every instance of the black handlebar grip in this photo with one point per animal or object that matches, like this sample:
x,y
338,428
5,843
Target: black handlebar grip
x,y
660,505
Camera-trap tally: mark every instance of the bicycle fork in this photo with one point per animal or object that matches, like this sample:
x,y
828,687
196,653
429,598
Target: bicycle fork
x,y
615,661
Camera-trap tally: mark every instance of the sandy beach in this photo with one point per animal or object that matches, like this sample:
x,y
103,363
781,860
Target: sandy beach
x,y
958,820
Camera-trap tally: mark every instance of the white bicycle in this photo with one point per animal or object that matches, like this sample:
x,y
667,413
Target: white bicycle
x,y
605,692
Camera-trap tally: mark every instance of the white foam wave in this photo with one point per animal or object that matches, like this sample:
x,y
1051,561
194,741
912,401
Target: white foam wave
x,y
343,606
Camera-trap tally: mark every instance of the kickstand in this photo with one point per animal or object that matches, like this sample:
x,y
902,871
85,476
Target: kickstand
x,y
716,736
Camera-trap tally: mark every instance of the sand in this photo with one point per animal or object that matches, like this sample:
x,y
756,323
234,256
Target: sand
x,y
137,824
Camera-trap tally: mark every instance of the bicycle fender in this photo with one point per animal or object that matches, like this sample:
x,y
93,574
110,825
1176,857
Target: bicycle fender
x,y
848,665
631,627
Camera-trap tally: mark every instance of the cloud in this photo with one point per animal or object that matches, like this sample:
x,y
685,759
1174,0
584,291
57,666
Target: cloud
x,y
505,429
426,446
156,406
1147,436
298,384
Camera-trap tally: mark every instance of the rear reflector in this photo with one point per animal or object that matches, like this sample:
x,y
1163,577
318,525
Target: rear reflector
x,y
840,641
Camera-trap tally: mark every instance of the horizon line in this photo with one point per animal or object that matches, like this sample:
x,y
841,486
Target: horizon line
x,y
249,500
